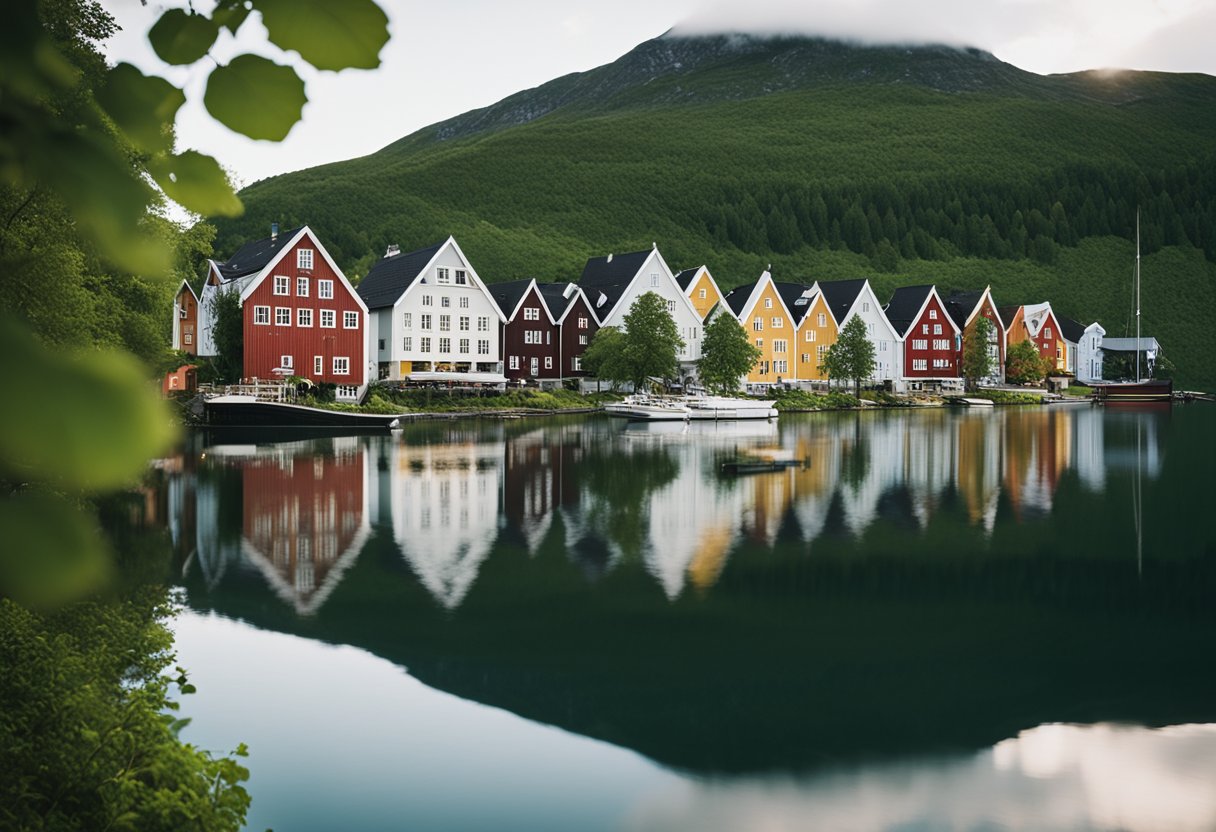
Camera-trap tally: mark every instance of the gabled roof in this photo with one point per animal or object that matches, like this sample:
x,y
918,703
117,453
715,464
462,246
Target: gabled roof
x,y
254,256
1036,316
390,276
1007,314
189,288
840,295
560,297
687,276
790,294
613,269
1072,330
736,299
905,306
510,295
961,305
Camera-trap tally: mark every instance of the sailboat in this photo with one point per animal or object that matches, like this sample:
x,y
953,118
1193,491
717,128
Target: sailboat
x,y
1140,390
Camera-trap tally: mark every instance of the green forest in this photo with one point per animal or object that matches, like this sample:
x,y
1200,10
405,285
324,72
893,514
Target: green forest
x,y
1032,187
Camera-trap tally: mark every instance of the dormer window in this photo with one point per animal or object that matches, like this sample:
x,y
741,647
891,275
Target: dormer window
x,y
442,275
304,258
768,303
462,277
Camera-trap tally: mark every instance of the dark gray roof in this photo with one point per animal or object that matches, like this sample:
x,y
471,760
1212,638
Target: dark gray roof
x,y
685,277
960,304
737,297
612,269
389,277
611,294
790,293
253,257
508,295
1007,314
904,304
1071,330
840,295
554,296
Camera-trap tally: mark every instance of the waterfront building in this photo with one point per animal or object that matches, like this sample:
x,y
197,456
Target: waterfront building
x,y
531,337
185,319
856,298
569,307
701,288
966,309
815,330
1036,323
761,311
930,340
1084,348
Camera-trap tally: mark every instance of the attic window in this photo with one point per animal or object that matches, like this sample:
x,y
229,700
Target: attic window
x,y
442,275
304,258
654,279
768,303
462,277
702,294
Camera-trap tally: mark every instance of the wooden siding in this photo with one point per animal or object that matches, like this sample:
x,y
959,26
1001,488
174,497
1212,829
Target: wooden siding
x,y
933,324
516,350
769,369
704,283
572,347
814,339
187,322
265,344
987,310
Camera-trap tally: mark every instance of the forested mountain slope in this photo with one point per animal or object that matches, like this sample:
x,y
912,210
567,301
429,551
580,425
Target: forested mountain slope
x,y
903,164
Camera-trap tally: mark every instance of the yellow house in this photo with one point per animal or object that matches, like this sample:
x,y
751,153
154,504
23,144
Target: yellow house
x,y
700,287
816,329
762,313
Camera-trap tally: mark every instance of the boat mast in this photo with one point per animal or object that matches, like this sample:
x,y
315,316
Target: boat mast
x,y
1137,295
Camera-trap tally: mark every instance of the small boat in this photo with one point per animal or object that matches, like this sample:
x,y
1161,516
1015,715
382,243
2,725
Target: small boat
x,y
973,402
641,406
249,411
1148,390
757,466
723,407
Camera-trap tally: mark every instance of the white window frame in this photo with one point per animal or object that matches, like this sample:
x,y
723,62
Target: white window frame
x,y
341,365
261,315
325,289
318,365
301,287
513,362
304,317
303,258
287,362
282,316
282,285
443,274
331,316
461,278
483,346
350,320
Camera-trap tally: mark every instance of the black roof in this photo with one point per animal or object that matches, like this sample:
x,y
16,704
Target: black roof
x,y
610,293
840,295
960,304
554,296
1072,330
612,269
253,257
904,304
790,293
507,295
685,277
1007,314
389,277
737,297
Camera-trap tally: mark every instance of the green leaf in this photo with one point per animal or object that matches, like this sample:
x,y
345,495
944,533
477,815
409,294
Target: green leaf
x,y
182,38
53,551
255,96
86,421
143,106
197,182
326,34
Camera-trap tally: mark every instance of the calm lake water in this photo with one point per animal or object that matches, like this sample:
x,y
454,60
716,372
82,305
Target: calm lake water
x,y
939,619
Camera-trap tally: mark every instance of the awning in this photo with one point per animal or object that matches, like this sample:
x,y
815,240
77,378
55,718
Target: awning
x,y
458,378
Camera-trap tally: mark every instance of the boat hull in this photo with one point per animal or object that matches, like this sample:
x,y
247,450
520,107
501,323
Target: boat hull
x,y
249,413
1157,390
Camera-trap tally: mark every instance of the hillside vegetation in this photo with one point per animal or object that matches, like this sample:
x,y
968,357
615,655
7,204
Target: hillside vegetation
x,y
827,161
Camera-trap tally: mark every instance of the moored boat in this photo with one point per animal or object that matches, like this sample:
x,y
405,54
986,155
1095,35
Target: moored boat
x,y
648,408
250,411
1148,390
723,407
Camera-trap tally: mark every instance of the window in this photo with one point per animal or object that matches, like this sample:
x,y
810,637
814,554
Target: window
x,y
671,307
758,324
445,302
464,323
282,316
582,323
464,346
933,314
514,362
261,315
533,336
483,347
462,278
407,320
427,300
445,323
302,287
424,344
341,365
782,366
380,345
282,284
654,279
189,337
304,258
325,289
924,329
483,323
768,303
181,312
821,351
426,321
548,362
865,307
318,365
870,328
823,319
287,362
533,365
941,343
780,345
328,318
1047,332
445,345
806,358
811,336
920,343
776,323
920,364
350,320
576,363
531,314
464,302
303,317
407,343
442,275
937,329
702,294
760,343
582,339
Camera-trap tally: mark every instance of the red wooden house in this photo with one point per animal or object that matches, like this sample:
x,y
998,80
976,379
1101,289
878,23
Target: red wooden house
x,y
531,338
931,341
966,309
185,319
568,305
300,314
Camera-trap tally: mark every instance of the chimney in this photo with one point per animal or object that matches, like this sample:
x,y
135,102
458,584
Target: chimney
x,y
274,231
392,249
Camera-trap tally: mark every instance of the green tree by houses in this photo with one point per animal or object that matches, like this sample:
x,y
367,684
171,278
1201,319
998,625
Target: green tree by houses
x,y
604,357
852,356
228,334
727,354
648,347
1024,364
977,361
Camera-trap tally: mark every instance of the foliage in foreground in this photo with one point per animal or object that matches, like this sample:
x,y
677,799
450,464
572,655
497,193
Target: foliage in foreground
x,y
88,740
791,400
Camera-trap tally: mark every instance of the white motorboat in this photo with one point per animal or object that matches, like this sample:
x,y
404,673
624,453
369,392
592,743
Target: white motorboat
x,y
723,407
648,408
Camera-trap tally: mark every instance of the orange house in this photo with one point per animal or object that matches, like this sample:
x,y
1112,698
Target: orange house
x,y
762,313
816,329
700,287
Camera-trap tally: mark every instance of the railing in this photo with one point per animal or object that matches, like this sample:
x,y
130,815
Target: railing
x,y
266,390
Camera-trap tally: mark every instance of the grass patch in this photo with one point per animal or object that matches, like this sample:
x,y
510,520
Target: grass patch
x,y
790,400
1006,397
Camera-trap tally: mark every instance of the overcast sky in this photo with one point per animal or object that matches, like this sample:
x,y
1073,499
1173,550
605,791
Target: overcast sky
x,y
445,58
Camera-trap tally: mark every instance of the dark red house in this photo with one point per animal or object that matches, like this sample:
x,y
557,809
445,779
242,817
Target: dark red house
x,y
301,317
531,338
568,305
931,341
